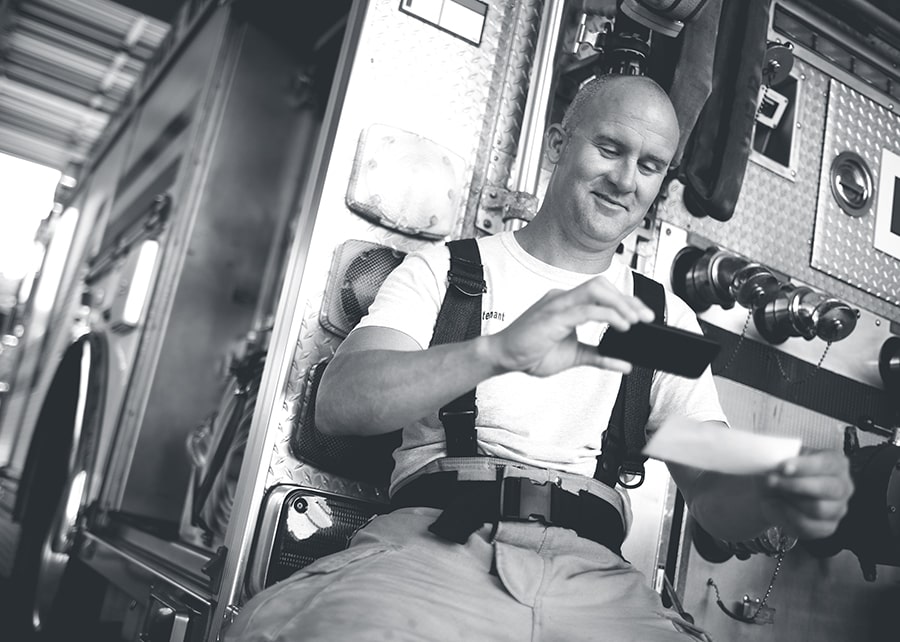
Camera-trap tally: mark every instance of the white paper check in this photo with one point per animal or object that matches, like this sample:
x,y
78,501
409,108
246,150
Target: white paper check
x,y
725,450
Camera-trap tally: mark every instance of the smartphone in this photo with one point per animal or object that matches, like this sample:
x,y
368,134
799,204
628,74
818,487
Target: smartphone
x,y
661,347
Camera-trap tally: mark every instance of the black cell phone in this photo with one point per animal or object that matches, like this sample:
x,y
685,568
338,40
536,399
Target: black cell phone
x,y
661,347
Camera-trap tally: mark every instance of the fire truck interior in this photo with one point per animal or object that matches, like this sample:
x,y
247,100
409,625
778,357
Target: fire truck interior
x,y
242,175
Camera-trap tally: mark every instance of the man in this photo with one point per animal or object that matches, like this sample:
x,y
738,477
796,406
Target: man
x,y
544,397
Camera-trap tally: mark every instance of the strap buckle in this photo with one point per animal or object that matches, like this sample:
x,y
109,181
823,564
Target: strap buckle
x,y
443,413
459,431
525,500
466,285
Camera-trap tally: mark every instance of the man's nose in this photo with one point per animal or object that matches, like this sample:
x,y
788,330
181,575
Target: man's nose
x,y
624,176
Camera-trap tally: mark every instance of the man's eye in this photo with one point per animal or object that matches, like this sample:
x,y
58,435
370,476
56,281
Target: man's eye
x,y
650,168
607,151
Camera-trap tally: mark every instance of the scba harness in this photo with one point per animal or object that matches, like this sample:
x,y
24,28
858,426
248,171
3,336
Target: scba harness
x,y
467,505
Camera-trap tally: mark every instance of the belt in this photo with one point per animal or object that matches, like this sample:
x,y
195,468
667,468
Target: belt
x,y
468,505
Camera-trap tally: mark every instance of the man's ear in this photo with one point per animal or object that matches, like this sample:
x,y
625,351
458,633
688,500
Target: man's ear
x,y
556,142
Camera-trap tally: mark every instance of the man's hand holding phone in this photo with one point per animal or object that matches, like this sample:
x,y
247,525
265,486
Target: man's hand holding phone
x,y
660,347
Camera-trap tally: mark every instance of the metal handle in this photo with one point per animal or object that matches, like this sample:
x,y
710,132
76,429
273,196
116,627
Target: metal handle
x,y
527,167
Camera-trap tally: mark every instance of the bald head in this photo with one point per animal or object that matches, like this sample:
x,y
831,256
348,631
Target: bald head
x,y
610,155
639,89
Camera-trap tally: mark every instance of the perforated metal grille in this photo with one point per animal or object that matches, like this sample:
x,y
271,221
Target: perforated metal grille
x,y
358,269
367,459
294,550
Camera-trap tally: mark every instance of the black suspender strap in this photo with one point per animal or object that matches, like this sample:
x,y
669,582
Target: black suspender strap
x,y
621,460
459,319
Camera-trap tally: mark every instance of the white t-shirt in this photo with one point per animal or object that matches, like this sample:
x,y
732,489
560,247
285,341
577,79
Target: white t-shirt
x,y
554,422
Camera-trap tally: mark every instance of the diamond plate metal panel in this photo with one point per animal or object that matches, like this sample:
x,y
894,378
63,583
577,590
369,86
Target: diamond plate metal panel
x,y
842,245
775,217
406,74
313,343
518,39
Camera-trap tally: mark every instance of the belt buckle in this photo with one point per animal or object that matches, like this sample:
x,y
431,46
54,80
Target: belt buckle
x,y
525,500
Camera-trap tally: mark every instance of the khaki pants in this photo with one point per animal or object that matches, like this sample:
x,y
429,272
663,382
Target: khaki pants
x,y
399,582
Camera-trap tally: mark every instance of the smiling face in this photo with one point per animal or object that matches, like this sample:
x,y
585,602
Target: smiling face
x,y
610,162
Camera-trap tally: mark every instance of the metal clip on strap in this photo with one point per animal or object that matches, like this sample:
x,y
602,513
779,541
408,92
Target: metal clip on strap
x,y
465,285
459,428
631,474
466,274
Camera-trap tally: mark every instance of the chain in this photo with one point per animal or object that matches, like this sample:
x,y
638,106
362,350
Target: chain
x,y
762,604
740,340
787,377
711,582
765,599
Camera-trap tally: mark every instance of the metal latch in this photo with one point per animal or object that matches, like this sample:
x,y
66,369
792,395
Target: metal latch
x,y
168,619
501,209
